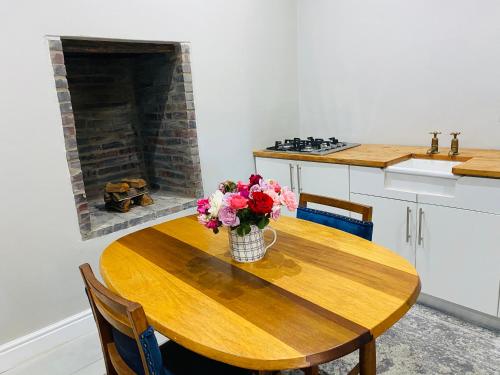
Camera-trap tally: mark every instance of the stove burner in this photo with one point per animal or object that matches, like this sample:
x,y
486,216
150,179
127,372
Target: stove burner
x,y
311,145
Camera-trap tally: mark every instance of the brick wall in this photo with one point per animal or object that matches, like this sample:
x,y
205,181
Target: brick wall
x,y
166,110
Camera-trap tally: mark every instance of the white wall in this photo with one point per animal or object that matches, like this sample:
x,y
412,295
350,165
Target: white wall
x,y
244,74
389,71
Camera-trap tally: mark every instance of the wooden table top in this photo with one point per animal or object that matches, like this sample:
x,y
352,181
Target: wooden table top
x,y
477,162
318,294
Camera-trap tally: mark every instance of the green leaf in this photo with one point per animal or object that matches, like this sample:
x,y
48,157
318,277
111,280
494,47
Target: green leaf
x,y
240,231
246,229
263,221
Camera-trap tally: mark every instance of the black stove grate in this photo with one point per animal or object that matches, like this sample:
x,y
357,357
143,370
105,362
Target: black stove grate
x,y
311,145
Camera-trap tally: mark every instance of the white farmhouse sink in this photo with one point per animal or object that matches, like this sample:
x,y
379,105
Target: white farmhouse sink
x,y
422,176
425,167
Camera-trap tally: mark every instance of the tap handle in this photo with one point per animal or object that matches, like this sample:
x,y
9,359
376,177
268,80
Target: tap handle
x,y
435,133
455,134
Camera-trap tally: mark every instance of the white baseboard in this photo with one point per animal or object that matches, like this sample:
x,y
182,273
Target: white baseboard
x,y
23,348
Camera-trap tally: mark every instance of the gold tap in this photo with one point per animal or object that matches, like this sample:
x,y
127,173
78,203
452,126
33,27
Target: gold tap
x,y
434,144
454,144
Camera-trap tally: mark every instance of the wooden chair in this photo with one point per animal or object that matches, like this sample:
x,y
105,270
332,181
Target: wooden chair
x,y
128,342
362,228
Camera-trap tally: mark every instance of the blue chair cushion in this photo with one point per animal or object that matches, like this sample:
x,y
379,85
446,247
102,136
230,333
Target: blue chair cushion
x,y
360,228
181,361
169,359
128,350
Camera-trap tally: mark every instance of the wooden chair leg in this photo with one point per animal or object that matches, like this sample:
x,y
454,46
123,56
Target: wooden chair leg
x,y
313,370
355,370
368,359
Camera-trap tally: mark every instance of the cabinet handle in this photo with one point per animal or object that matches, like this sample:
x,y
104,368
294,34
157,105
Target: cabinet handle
x,y
408,213
299,171
420,216
291,177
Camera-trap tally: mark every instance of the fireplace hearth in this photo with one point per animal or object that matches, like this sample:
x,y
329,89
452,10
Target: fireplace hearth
x,y
127,111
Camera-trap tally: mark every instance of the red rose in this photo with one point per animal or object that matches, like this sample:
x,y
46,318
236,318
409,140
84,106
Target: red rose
x,y
255,179
261,203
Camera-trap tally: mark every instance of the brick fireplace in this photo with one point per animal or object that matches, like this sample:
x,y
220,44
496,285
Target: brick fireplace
x,y
127,111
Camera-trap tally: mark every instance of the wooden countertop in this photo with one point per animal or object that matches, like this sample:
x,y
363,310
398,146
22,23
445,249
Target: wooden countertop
x,y
477,162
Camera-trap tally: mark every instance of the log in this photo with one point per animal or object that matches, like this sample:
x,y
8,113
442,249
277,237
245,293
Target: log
x,y
107,197
119,187
145,200
122,206
120,196
137,183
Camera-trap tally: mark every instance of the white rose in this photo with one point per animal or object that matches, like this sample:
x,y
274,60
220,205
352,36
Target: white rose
x,y
215,203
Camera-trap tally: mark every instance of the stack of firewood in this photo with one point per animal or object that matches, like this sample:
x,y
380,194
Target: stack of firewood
x,y
125,193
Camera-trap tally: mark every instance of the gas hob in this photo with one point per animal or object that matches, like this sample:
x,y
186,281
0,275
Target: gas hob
x,y
311,145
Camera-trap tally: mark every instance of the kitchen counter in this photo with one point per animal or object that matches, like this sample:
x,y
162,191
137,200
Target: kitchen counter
x,y
476,162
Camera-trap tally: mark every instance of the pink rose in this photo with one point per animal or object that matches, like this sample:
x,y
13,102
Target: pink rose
x,y
276,212
273,184
288,199
228,217
241,186
242,189
203,206
264,185
237,202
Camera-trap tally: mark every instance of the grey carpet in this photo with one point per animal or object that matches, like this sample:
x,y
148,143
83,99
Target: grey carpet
x,y
426,341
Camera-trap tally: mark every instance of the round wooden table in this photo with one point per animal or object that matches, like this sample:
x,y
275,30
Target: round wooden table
x,y
318,294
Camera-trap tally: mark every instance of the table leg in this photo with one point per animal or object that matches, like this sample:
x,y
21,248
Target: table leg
x,y
368,359
313,370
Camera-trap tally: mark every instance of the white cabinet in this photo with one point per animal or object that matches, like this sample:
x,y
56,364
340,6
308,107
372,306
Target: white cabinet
x,y
394,223
456,252
284,171
277,169
458,257
331,180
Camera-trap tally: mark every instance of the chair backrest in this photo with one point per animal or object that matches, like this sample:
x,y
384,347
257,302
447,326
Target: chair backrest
x,y
128,342
362,228
365,211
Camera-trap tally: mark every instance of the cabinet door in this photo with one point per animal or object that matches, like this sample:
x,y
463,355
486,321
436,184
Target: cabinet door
x,y
394,223
283,171
458,257
329,180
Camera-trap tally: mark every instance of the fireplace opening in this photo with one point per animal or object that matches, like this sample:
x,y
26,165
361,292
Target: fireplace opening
x,y
128,113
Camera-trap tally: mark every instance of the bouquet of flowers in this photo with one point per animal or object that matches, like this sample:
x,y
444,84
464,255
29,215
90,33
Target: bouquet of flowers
x,y
240,205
